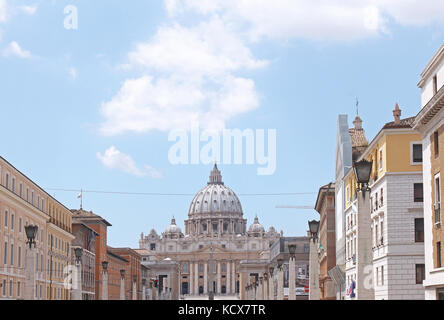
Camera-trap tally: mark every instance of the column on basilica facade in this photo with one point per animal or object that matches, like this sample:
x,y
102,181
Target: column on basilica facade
x,y
265,288
270,286
191,285
242,285
228,278
206,278
196,278
233,277
218,278
280,286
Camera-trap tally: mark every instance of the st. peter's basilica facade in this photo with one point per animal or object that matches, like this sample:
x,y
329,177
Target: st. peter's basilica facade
x,y
217,253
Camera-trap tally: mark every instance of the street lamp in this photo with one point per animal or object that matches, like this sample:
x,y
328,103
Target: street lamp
x,y
314,228
78,253
122,273
292,249
280,262
31,232
105,265
362,170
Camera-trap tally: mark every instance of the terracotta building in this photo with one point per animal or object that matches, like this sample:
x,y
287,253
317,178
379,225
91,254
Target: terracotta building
x,y
325,205
85,239
133,269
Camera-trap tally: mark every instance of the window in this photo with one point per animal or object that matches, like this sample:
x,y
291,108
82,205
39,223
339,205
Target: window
x,y
382,275
438,255
12,221
437,206
435,84
381,238
19,257
381,200
12,254
436,143
20,224
153,247
7,181
416,153
419,230
21,190
18,288
27,194
5,254
380,159
418,192
4,287
13,184
10,288
420,273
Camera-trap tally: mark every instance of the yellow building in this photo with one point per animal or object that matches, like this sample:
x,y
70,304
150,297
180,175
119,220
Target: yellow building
x,y
396,205
22,203
59,242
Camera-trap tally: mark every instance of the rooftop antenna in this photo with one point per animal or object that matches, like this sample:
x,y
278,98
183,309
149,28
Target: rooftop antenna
x,y
357,106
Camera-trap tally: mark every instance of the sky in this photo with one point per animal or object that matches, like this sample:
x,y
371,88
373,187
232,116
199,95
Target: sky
x,y
90,92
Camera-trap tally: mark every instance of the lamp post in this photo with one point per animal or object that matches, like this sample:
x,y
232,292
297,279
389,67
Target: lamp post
x,y
105,280
122,284
292,272
31,232
77,279
261,289
143,289
280,288
364,252
271,284
134,287
314,290
266,286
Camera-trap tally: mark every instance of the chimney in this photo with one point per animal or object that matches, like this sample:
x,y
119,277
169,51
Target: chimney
x,y
397,114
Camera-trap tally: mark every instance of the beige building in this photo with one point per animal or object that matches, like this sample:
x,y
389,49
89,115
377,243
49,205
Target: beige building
x,y
430,122
216,254
23,202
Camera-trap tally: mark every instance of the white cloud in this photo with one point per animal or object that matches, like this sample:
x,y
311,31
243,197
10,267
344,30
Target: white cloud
x,y
14,49
28,9
316,19
72,72
114,159
189,76
3,9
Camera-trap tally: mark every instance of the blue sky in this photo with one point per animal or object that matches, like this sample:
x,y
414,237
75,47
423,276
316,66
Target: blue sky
x,y
131,73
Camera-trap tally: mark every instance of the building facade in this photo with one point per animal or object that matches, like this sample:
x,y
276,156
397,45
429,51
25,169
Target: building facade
x,y
85,239
430,122
325,206
350,144
217,252
395,233
22,203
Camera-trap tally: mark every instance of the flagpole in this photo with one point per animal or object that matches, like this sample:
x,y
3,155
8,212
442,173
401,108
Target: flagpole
x,y
81,199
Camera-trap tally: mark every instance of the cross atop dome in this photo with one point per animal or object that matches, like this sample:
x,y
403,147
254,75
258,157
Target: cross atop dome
x,y
215,176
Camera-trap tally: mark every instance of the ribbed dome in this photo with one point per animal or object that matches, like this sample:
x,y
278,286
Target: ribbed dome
x,y
173,228
256,226
215,198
